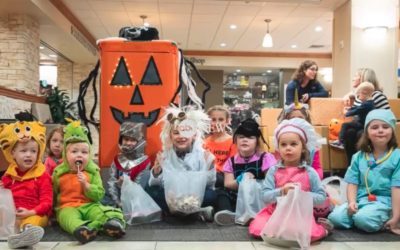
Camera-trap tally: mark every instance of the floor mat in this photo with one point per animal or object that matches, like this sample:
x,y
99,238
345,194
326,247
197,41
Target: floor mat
x,y
176,230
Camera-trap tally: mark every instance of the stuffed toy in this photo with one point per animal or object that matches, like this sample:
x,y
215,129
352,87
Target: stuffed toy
x,y
334,128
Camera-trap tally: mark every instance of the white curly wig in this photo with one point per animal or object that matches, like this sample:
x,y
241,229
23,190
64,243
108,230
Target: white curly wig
x,y
301,127
196,116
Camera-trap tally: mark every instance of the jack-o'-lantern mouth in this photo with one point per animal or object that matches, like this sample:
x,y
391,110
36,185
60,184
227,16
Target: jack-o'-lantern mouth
x,y
136,116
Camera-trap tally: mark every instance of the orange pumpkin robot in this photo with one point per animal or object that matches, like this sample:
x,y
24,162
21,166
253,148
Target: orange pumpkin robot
x,y
138,79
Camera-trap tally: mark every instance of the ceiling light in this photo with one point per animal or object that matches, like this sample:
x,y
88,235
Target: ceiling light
x,y
267,41
269,71
376,29
238,70
293,46
222,44
145,24
53,55
233,26
318,29
41,47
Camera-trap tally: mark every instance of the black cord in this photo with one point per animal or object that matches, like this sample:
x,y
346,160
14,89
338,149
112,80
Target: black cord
x,y
83,87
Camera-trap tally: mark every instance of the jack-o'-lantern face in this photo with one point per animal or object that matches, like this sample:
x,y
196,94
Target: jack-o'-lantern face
x,y
150,77
138,79
334,128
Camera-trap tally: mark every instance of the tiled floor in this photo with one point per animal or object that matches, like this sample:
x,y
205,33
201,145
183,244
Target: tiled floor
x,y
163,245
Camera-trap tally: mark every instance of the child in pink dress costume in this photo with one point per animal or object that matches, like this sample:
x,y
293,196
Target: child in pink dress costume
x,y
294,139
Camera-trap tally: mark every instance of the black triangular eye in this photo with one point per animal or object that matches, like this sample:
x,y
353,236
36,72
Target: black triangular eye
x,y
151,75
121,76
137,97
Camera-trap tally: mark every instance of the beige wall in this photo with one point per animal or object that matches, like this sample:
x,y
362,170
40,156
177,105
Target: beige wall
x,y
341,49
353,49
214,95
378,54
65,75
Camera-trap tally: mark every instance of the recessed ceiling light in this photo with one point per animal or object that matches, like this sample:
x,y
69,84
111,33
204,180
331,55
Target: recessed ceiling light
x,y
232,26
269,71
238,70
41,47
293,46
53,55
222,44
318,29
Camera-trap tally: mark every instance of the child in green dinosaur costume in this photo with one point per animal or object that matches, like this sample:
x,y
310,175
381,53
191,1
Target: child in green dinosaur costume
x,y
78,189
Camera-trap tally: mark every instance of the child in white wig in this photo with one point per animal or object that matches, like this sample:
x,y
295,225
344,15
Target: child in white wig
x,y
182,150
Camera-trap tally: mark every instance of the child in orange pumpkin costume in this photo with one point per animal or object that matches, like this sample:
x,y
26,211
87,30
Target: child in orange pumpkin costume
x,y
78,190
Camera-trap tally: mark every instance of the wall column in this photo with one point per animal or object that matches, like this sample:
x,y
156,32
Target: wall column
x,y
19,52
365,35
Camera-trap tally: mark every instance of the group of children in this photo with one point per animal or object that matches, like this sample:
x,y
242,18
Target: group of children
x,y
224,159
75,183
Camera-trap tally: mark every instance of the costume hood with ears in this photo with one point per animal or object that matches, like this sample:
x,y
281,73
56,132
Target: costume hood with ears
x,y
23,131
249,127
74,132
301,127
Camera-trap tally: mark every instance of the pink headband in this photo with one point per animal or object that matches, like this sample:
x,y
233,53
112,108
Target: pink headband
x,y
291,128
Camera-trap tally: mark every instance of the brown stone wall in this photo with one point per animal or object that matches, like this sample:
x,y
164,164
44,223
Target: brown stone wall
x,y
19,52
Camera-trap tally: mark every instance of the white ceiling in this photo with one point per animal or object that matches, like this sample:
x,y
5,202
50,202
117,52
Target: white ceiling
x,y
204,24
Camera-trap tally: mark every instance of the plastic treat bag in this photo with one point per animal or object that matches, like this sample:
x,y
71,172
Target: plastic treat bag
x,y
291,221
7,213
336,196
249,201
184,190
138,207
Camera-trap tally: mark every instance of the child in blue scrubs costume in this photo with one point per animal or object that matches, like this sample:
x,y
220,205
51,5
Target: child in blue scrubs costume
x,y
373,179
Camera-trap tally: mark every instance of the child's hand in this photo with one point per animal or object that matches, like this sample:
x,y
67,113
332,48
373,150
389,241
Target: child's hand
x,y
392,226
353,208
305,98
288,186
120,181
157,165
81,177
249,175
22,213
82,180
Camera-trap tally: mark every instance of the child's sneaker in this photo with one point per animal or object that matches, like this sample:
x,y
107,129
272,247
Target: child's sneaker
x,y
225,218
114,228
326,224
206,214
27,238
84,234
336,144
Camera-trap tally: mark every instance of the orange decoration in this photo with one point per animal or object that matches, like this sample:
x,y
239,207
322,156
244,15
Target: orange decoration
x,y
334,128
138,79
